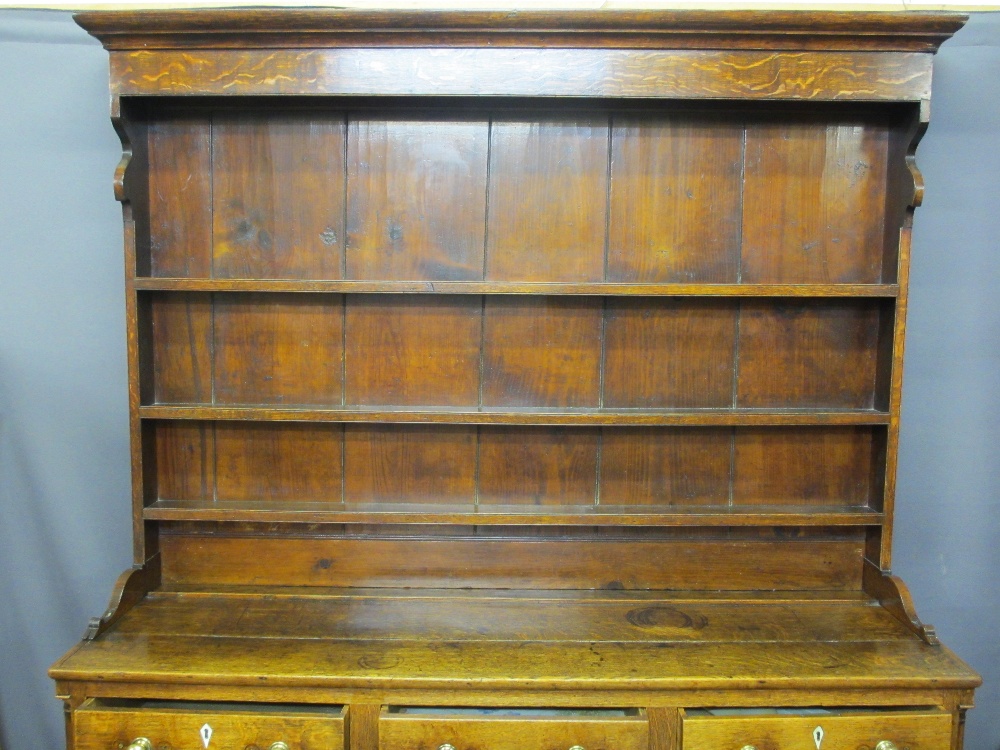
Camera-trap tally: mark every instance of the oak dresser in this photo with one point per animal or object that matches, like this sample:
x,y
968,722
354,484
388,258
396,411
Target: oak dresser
x,y
515,380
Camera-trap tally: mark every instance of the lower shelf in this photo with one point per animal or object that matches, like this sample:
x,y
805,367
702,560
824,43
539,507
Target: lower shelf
x,y
583,515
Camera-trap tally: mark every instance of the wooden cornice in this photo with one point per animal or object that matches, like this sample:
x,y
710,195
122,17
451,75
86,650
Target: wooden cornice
x,y
759,30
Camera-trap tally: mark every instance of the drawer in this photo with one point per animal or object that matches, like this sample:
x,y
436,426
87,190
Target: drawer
x,y
175,725
817,730
476,729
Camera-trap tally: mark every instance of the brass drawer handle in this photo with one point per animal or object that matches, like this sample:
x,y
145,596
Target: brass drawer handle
x,y
577,747
446,746
140,743
886,745
752,747
279,745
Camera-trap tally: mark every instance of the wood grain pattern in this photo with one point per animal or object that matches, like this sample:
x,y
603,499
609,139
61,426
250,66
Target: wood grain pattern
x,y
675,199
278,349
414,350
664,727
784,564
669,354
414,464
822,466
814,202
416,198
362,722
278,463
665,467
180,184
181,348
807,355
541,352
278,195
547,199
673,74
541,466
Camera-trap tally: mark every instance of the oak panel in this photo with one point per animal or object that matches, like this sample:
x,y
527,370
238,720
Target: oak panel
x,y
278,462
278,349
182,348
409,351
547,199
782,564
669,74
278,195
675,199
669,353
814,202
416,205
802,465
185,461
541,352
537,465
686,466
807,354
180,184
412,464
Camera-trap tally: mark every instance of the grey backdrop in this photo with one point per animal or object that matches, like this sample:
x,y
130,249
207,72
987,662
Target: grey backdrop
x,y
64,526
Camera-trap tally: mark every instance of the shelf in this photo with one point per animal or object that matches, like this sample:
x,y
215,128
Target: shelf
x,y
518,287
514,515
524,416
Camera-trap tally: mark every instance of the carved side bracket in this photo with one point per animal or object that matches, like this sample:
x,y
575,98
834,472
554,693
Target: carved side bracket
x,y
121,170
917,131
893,594
129,589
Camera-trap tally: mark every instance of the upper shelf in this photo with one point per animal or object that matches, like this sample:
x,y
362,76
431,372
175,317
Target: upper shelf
x,y
518,287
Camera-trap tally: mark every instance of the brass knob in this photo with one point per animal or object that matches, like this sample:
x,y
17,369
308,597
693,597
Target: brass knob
x,y
279,745
140,743
446,746
577,747
886,745
749,747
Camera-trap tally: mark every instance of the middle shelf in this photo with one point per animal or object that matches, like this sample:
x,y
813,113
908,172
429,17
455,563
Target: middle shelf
x,y
484,415
502,359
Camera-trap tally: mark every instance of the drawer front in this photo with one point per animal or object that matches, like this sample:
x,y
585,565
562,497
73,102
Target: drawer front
x,y
105,725
404,732
849,731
